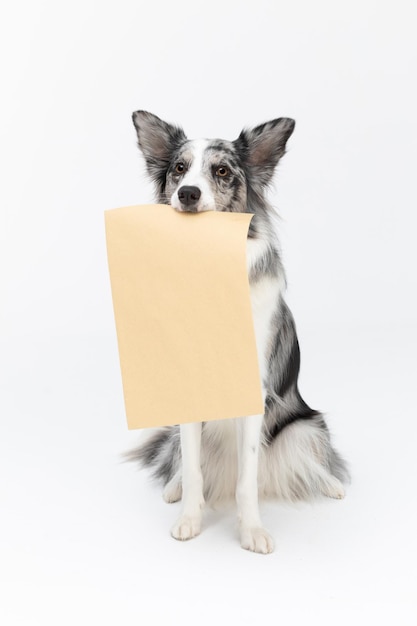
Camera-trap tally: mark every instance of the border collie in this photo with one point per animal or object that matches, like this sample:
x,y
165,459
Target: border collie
x,y
285,452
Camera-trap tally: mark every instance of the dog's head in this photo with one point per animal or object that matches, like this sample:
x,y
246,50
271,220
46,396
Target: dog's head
x,y
207,175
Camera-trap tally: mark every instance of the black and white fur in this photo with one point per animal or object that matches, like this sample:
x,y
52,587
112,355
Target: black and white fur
x,y
286,452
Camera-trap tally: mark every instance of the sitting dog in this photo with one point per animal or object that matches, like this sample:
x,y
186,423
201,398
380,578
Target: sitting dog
x,y
286,452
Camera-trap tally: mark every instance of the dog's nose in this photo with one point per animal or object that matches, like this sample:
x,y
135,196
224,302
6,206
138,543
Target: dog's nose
x,y
189,196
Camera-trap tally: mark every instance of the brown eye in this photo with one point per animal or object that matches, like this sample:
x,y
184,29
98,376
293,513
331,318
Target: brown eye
x,y
179,168
222,171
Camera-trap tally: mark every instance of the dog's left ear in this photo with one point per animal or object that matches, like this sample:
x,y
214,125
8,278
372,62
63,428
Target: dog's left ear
x,y
262,147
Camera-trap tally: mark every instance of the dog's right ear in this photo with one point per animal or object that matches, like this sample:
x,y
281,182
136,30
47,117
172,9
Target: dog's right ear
x,y
157,140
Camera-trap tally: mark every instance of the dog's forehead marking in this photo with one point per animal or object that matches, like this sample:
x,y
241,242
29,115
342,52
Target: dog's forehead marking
x,y
222,151
199,151
221,145
194,152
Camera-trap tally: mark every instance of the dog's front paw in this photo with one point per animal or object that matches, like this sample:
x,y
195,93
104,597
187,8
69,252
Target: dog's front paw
x,y
257,540
187,527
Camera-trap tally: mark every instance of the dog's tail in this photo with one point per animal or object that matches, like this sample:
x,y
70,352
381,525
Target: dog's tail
x,y
301,462
160,450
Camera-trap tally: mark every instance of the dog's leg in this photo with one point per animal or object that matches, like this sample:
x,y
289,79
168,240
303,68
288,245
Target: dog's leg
x,y
189,523
252,535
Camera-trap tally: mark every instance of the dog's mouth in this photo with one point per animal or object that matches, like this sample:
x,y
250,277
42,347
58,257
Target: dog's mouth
x,y
203,209
182,209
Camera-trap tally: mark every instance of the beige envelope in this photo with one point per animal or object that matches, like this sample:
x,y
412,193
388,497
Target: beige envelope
x,y
183,315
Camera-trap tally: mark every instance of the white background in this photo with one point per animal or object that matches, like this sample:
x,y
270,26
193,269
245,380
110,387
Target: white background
x,y
85,538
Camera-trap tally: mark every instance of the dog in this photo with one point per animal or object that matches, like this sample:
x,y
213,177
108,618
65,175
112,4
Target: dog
x,y
286,452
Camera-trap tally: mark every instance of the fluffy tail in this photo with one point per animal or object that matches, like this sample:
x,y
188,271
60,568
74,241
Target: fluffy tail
x,y
160,450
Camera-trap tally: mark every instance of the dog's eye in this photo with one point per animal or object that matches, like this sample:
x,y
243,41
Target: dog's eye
x,y
222,171
179,168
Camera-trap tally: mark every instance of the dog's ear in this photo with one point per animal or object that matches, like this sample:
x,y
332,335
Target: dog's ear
x,y
262,147
157,140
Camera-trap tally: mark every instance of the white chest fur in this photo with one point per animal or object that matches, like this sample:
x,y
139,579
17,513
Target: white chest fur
x,y
264,299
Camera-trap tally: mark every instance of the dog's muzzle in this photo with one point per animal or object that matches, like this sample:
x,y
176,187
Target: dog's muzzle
x,y
189,197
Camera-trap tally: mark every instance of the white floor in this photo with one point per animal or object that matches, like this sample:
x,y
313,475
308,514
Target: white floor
x,y
85,538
